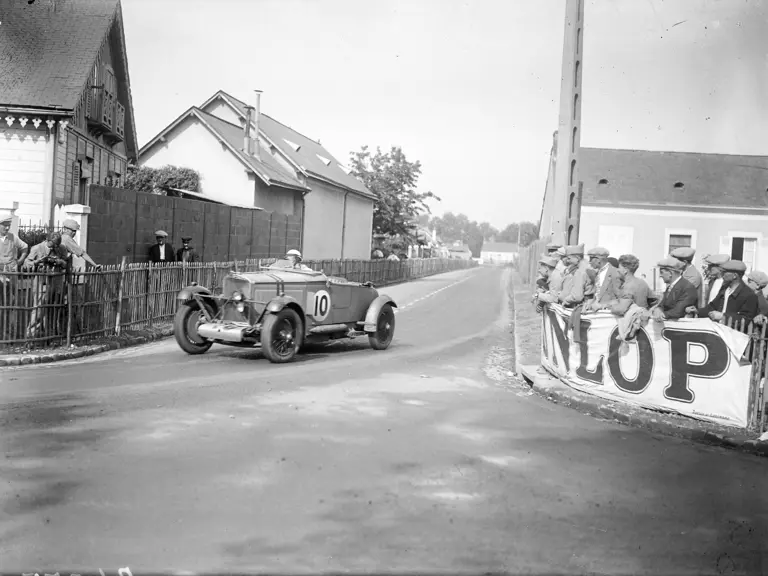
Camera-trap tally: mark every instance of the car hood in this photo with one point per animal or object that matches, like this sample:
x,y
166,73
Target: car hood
x,y
272,276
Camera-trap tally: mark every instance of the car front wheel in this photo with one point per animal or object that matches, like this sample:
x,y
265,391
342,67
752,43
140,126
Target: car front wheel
x,y
385,329
185,329
281,336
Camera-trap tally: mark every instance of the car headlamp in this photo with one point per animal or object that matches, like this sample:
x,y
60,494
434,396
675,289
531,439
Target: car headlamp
x,y
237,296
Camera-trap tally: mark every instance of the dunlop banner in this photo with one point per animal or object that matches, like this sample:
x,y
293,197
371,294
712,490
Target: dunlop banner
x,y
691,367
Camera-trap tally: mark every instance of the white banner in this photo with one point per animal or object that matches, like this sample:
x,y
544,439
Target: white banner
x,y
691,366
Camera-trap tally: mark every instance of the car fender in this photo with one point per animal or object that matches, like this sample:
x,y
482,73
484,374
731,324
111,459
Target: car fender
x,y
279,302
187,293
372,315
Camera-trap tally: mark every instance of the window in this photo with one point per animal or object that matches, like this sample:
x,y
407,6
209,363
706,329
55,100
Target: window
x,y
679,241
744,249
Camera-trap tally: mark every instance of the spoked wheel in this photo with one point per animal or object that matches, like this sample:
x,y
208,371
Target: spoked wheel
x,y
385,329
281,336
185,329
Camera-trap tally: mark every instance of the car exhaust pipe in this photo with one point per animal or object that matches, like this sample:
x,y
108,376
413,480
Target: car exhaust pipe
x,y
225,332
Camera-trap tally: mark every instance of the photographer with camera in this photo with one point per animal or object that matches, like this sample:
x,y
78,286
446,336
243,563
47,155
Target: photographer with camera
x,y
48,260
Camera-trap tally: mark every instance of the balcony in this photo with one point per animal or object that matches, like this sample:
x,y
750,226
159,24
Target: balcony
x,y
105,116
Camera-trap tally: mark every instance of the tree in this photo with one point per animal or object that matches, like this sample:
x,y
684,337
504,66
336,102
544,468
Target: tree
x,y
527,231
146,179
393,179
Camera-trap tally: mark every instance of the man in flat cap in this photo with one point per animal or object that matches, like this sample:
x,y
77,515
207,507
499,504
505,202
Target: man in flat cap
x,y
13,252
736,301
557,275
69,229
714,276
161,252
578,281
680,294
757,281
690,273
186,253
607,282
546,268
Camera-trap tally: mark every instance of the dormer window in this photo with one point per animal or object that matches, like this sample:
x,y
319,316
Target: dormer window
x,y
603,181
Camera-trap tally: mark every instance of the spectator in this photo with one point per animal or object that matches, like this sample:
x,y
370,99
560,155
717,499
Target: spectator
x,y
614,262
161,252
13,252
679,295
69,229
578,282
556,277
714,275
547,266
607,282
758,280
633,290
47,289
690,273
186,253
735,301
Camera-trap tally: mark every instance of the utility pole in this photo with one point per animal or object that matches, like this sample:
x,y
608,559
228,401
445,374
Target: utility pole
x,y
565,203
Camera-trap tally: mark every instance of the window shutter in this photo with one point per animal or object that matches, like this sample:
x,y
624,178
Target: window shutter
x,y
74,195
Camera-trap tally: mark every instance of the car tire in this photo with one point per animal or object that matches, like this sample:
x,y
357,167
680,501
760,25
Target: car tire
x,y
281,336
385,329
185,329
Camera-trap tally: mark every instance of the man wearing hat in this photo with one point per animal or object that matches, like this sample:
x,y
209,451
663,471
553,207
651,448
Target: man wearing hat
x,y
578,281
757,281
161,252
546,268
607,282
690,273
68,230
13,252
680,294
714,276
186,253
736,301
47,289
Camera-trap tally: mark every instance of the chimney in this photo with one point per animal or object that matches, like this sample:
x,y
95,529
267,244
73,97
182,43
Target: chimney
x,y
256,118
247,130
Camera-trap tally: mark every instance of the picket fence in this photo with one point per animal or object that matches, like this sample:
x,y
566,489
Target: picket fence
x,y
85,306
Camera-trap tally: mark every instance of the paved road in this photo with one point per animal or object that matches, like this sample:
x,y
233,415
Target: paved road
x,y
424,457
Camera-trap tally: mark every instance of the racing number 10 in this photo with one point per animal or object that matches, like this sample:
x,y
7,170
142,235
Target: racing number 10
x,y
322,305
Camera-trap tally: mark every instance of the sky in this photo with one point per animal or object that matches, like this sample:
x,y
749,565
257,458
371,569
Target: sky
x,y
470,89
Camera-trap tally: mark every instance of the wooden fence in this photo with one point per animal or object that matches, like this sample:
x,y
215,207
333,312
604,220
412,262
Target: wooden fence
x,y
39,309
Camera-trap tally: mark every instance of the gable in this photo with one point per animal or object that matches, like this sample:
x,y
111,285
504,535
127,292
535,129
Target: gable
x,y
620,177
48,52
308,155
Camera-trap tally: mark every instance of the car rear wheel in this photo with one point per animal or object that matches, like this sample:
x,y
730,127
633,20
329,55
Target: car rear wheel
x,y
185,329
281,336
385,329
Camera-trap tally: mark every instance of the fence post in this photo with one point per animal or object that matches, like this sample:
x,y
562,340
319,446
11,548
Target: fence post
x,y
754,408
69,310
119,297
150,299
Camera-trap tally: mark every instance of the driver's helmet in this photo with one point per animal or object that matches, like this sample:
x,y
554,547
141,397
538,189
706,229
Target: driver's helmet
x,y
294,253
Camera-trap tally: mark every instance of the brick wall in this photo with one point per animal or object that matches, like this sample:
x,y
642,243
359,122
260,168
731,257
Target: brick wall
x,y
123,223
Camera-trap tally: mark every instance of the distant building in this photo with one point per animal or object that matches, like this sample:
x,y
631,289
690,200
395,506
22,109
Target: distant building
x,y
498,252
647,203
460,251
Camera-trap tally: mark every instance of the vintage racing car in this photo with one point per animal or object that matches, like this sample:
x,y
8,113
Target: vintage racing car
x,y
280,308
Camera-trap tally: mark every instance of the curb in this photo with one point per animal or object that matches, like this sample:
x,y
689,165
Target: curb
x,y
125,341
552,389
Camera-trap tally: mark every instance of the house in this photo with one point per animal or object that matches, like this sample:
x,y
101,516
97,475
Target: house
x,y
647,203
498,252
459,251
65,105
246,157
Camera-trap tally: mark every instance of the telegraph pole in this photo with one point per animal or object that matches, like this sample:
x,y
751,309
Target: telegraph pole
x,y
566,201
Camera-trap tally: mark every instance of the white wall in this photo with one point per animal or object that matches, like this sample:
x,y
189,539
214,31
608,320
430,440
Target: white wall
x,y
645,233
358,228
26,172
323,218
190,144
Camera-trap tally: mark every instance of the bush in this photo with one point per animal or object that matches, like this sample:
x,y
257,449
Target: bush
x,y
146,179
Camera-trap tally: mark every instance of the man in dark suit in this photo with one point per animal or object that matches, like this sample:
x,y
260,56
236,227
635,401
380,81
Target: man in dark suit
x,y
680,294
161,252
735,301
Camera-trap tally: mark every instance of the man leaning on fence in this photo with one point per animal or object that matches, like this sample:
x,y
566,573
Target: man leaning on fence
x,y
679,295
48,261
69,229
13,252
186,253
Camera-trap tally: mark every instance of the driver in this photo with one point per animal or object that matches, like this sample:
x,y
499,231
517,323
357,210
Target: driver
x,y
294,257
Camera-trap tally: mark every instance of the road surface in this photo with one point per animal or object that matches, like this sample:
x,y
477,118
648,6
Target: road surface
x,y
423,457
